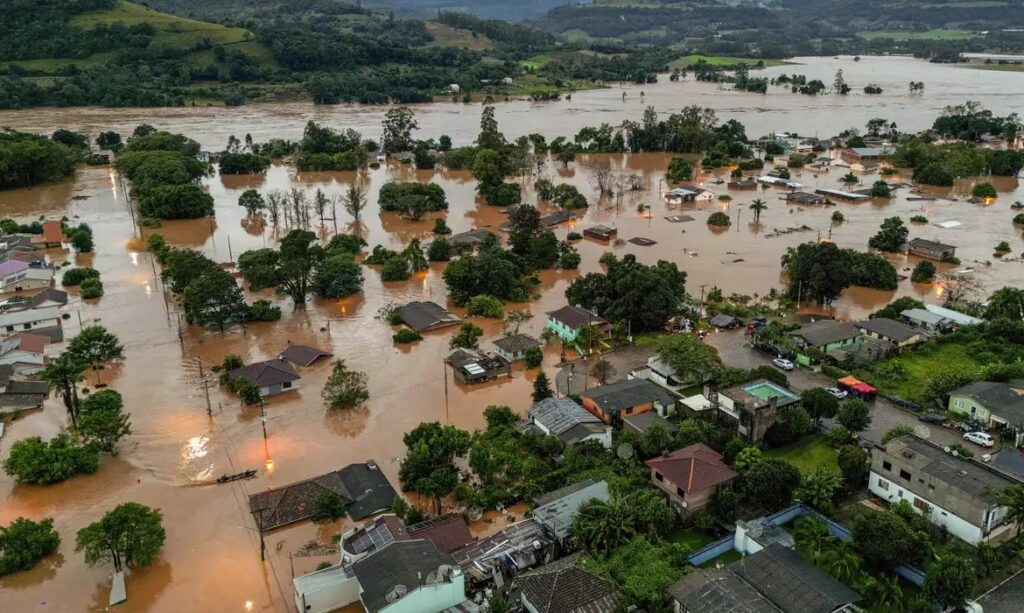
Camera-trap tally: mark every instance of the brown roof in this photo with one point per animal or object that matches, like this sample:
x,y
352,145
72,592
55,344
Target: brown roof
x,y
694,469
33,343
52,233
264,374
447,532
576,317
303,355
564,587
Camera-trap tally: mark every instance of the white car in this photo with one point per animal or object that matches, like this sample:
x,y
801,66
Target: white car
x,y
783,363
980,438
838,393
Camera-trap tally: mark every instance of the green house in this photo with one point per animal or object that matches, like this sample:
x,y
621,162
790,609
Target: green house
x,y
567,322
1000,405
824,335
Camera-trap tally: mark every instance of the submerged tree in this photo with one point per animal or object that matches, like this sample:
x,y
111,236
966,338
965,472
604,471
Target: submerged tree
x,y
65,373
345,388
95,346
130,535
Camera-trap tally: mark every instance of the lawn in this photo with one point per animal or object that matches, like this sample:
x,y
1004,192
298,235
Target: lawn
x,y
692,538
937,34
807,454
537,61
723,60
905,375
726,559
173,29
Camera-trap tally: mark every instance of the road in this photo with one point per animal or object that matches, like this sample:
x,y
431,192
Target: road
x,y
573,378
734,351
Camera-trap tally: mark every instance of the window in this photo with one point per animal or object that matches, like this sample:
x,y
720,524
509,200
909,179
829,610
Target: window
x,y
659,476
286,385
958,403
27,326
10,328
887,465
883,484
680,492
923,506
905,475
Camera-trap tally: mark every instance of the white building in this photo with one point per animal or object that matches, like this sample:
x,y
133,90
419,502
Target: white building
x,y
30,319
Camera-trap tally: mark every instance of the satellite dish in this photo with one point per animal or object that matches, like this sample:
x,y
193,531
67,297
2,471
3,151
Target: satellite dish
x,y
922,431
396,593
624,451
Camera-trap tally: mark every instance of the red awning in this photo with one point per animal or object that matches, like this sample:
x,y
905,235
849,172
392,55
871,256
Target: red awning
x,y
848,381
863,388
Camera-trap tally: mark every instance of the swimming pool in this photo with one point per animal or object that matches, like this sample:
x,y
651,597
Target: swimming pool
x,y
766,390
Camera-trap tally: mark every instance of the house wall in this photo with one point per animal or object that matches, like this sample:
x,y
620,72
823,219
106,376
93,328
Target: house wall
x,y
590,405
913,340
431,598
970,530
562,330
688,502
328,598
964,405
45,322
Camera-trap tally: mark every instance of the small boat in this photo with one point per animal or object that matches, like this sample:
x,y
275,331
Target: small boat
x,y
235,477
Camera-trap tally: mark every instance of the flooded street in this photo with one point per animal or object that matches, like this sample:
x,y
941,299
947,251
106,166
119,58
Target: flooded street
x,y
211,558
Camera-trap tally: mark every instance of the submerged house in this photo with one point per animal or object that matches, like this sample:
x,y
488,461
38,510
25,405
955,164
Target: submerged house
x,y
52,236
680,195
272,376
513,348
471,366
426,316
933,250
303,355
567,322
601,232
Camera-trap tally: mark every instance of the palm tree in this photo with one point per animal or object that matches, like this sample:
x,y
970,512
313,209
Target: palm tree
x,y
757,206
842,562
811,536
599,526
884,594
64,373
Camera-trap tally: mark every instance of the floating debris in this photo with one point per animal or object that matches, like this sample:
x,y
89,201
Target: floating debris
x,y
642,241
679,218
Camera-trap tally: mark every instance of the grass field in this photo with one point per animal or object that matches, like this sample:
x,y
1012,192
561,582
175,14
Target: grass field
x,y
807,454
447,36
723,60
939,34
692,538
921,365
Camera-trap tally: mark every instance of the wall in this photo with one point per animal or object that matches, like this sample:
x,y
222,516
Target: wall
x,y
431,598
561,330
968,406
329,597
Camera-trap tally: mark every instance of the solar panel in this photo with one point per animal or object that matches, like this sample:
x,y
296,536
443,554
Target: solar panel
x,y
474,369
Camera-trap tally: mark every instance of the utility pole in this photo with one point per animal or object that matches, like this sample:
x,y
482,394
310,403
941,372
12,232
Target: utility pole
x,y
702,299
444,373
263,547
231,258
206,389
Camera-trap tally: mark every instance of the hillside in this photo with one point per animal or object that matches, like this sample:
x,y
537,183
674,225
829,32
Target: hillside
x,y
238,10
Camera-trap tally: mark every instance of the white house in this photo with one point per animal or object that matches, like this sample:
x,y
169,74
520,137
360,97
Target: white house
x,y
680,195
24,352
30,319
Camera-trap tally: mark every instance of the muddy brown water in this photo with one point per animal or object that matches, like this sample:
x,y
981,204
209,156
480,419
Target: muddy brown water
x,y
211,559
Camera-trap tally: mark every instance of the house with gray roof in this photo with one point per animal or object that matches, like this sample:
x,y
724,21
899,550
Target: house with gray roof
x,y
933,250
272,376
643,422
612,402
563,418
824,335
896,332
425,316
718,590
564,586
556,510
513,347
950,491
1000,405
923,318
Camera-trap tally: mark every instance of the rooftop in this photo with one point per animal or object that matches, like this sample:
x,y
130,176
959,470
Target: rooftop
x,y
447,532
52,233
564,587
958,317
927,459
267,373
719,591
826,331
576,317
469,238
303,355
696,468
643,421
931,245
1000,398
889,328
398,570
759,392
557,510
923,316
792,583
560,414
612,398
516,343
375,535
423,316
519,543
10,267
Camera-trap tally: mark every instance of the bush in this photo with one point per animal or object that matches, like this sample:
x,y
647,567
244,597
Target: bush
x,y
91,288
534,357
919,219
440,227
1019,219
719,219
395,269
679,170
1003,247
933,174
924,272
984,190
795,162
881,189
394,194
25,542
75,276
838,217
328,506
405,335
575,236
439,251
264,310
485,306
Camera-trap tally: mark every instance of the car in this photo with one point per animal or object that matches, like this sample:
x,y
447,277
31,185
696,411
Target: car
x,y
783,363
903,402
838,393
980,438
932,418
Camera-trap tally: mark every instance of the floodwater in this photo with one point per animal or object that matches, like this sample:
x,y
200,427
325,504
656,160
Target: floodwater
x,y
211,559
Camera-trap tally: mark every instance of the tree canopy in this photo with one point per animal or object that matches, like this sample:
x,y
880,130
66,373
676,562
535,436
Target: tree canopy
x,y
633,294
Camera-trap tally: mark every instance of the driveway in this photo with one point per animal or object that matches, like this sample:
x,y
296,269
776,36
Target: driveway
x,y
574,378
733,349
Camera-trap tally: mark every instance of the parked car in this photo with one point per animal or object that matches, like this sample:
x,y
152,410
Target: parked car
x,y
903,402
783,363
838,393
932,418
980,438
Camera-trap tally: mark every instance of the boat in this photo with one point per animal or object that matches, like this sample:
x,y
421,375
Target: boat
x,y
235,477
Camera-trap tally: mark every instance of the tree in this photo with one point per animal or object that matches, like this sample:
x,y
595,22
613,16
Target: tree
x,y
129,535
439,250
103,421
771,483
884,541
399,124
854,464
213,299
758,206
636,295
95,346
891,235
253,202
818,488
894,308
468,336
65,373
485,306
839,84
812,537
36,462
924,272
337,276
842,562
344,388
490,137
819,403
950,581
881,189
983,190
541,387
816,271
81,238
854,415
109,140
1013,499
896,431
602,371
1007,302
679,170
355,200
288,269
328,506
691,360
602,526
24,542
719,219
533,357
429,464
175,202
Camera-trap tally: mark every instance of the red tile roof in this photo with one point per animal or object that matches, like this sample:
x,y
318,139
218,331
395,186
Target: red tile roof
x,y
694,469
52,233
448,532
33,343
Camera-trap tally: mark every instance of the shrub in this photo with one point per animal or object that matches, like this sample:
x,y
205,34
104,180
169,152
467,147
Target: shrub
x,y
881,189
439,251
795,162
328,506
441,227
25,542
34,461
838,217
679,170
1019,219
75,276
983,190
534,357
264,310
919,219
575,236
91,288
395,269
924,272
405,335
719,219
485,306
1003,247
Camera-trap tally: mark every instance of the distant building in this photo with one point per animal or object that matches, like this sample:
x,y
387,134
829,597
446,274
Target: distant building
x,y
680,195
932,250
690,476
925,319
950,491
567,322
613,401
742,183
861,154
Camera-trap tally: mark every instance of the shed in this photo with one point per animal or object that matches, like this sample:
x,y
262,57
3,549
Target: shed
x,y
601,232
303,355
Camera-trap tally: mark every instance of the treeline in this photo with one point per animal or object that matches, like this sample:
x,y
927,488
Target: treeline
x,y
509,35
165,174
30,159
